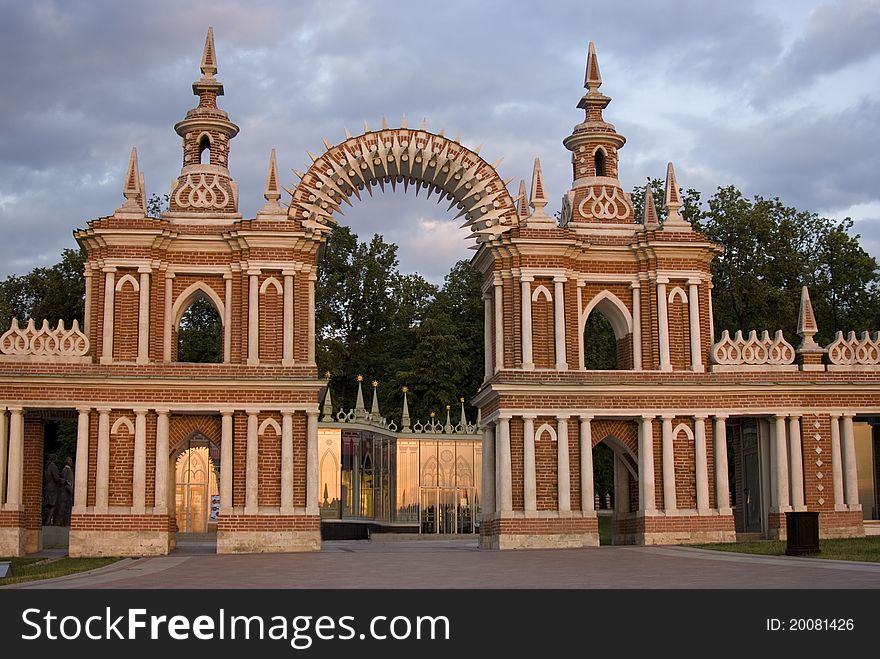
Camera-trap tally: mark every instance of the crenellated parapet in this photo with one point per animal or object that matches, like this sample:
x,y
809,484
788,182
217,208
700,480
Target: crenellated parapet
x,y
752,353
30,343
849,352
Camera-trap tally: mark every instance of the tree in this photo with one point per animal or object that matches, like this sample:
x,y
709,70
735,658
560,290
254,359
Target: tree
x,y
54,293
690,200
199,334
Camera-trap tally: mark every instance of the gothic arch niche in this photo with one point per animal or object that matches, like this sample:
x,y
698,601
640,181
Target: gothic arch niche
x,y
204,149
679,333
125,317
543,325
197,329
606,334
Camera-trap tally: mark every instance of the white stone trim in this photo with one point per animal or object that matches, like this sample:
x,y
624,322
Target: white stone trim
x,y
269,422
542,290
271,281
188,296
678,291
122,422
613,309
120,283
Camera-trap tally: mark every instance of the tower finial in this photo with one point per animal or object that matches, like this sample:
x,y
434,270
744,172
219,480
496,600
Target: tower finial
x,y
673,220
327,407
593,78
650,218
209,57
360,412
374,408
463,423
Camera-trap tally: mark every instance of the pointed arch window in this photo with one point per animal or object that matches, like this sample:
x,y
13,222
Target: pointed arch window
x,y
599,162
204,150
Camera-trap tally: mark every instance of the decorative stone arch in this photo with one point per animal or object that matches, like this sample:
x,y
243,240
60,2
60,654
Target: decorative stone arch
x,y
271,281
127,279
542,290
682,427
545,428
623,452
269,422
613,309
122,422
200,141
193,430
600,161
188,296
408,156
678,291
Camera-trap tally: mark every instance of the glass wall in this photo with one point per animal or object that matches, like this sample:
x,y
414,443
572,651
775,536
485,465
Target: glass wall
x,y
430,483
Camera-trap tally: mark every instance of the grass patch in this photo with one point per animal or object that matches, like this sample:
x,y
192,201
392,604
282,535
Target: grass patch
x,y
838,549
31,568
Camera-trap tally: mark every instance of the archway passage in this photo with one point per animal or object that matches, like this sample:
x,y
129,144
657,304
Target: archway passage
x,y
197,487
409,157
200,333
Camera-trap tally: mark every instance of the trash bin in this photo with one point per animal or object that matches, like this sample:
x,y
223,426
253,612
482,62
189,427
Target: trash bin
x,y
802,533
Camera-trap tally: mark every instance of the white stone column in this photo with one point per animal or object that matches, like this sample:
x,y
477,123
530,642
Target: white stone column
x,y
252,479
4,446
694,318
851,478
498,297
488,368
227,319
780,465
109,307
530,493
722,483
310,329
663,323
287,342
143,354
796,459
253,356
504,504
81,468
87,311
312,494
646,465
168,321
139,469
286,462
526,317
559,322
637,326
487,484
226,461
163,456
588,495
580,330
15,465
102,468
836,464
711,316
563,465
701,469
669,501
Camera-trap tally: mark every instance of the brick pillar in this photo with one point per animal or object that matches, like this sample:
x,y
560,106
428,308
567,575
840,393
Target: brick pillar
x,y
107,330
526,317
253,317
287,333
168,321
4,440
663,323
227,319
694,318
637,326
488,369
498,296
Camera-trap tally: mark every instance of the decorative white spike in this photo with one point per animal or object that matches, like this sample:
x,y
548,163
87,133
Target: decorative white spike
x,y
650,220
538,197
366,127
209,57
674,221
403,121
424,125
477,150
522,202
384,123
347,134
592,79
312,155
495,164
327,143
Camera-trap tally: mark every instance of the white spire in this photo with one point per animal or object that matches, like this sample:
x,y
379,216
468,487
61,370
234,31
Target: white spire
x,y
209,57
360,411
404,417
522,203
272,191
538,199
650,219
132,188
807,327
327,407
374,409
673,220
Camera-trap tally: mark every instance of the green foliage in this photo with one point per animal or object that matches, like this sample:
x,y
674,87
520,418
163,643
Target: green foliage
x,y
54,293
199,336
156,205
600,344
690,200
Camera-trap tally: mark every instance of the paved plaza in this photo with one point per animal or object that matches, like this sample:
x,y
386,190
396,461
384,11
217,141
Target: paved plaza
x,y
457,563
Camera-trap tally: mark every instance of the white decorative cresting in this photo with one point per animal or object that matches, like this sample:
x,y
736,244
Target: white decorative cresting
x,y
606,202
752,351
851,351
44,342
410,157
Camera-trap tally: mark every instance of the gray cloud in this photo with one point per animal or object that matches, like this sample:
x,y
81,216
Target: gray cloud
x,y
83,82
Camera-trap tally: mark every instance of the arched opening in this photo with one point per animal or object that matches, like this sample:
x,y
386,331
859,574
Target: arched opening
x,y
200,333
599,162
606,334
197,491
615,479
205,150
600,344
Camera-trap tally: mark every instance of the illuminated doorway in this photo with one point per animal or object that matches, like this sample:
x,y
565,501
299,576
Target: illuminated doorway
x,y
197,491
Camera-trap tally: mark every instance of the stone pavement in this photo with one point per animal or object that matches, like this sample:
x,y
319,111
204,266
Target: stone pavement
x,y
457,563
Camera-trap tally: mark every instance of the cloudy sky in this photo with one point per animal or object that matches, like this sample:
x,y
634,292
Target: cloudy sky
x,y
777,98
